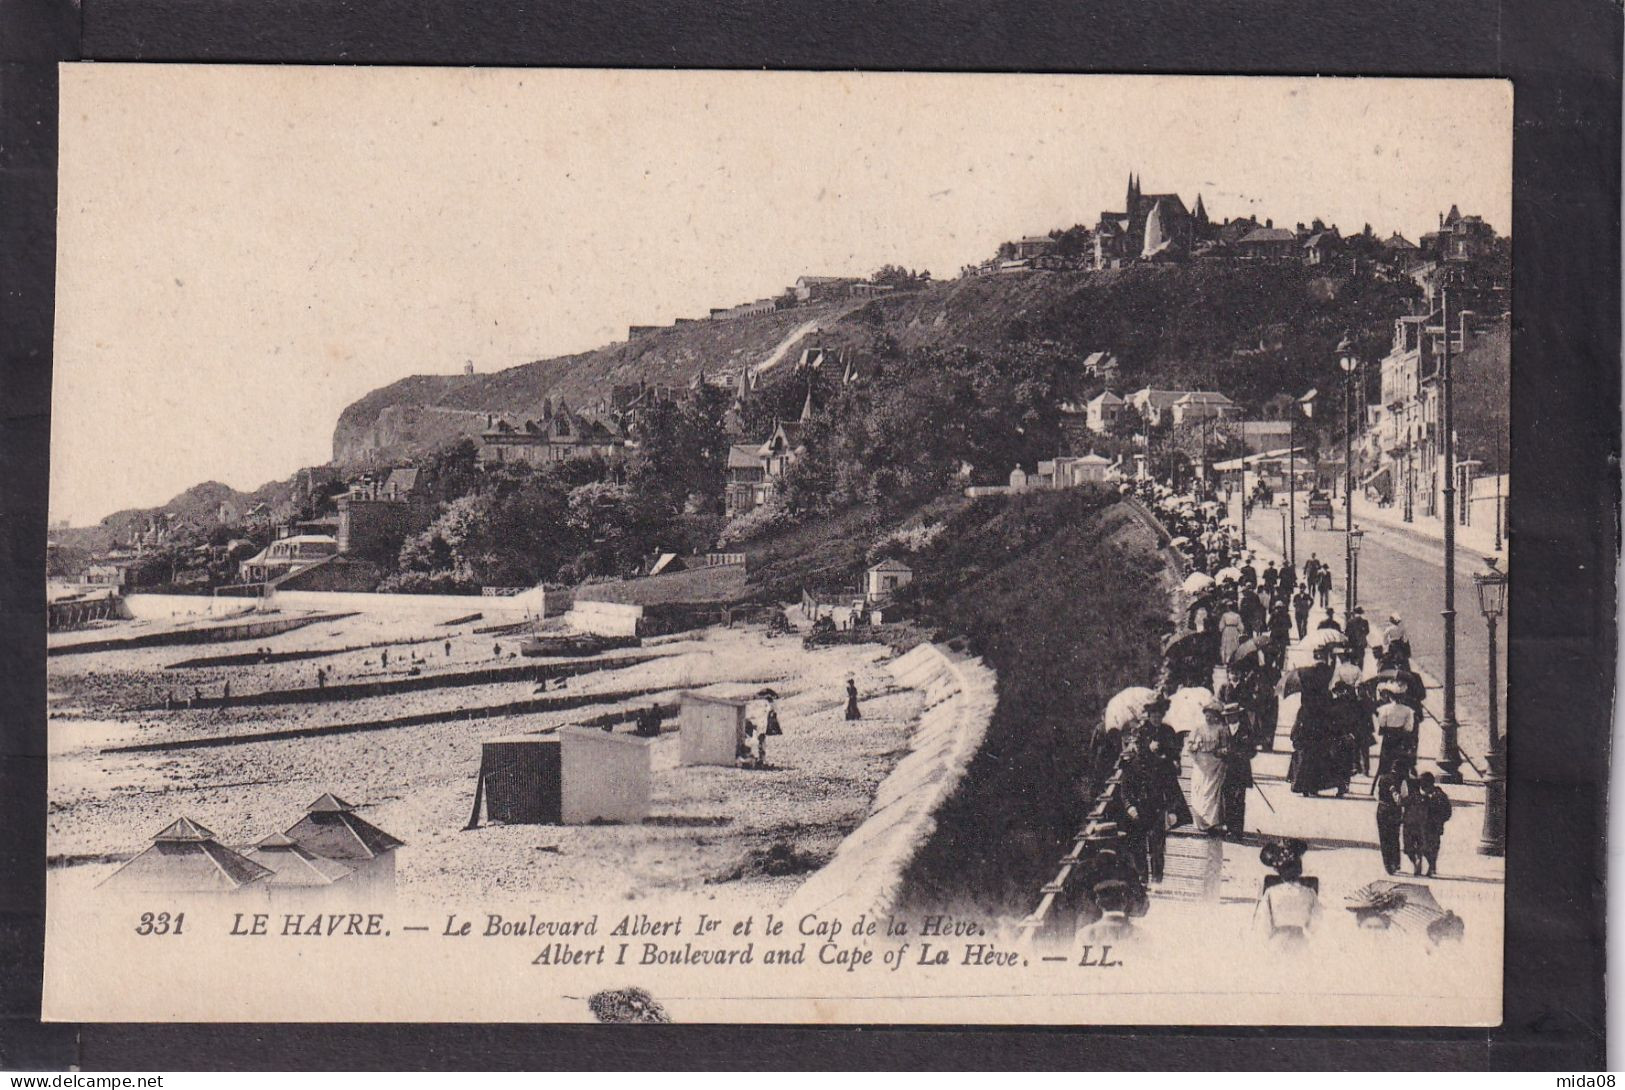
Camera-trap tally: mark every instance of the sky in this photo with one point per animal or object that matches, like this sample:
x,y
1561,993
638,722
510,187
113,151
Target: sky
x,y
243,251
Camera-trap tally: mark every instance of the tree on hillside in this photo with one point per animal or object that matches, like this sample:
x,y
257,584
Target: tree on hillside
x,y
682,450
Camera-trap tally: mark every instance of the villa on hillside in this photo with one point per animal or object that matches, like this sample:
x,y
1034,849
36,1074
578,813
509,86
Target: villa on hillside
x,y
558,436
288,554
755,470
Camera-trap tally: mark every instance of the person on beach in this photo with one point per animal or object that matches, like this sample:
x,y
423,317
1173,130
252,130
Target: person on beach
x,y
448,649
321,678
852,711
1427,808
385,658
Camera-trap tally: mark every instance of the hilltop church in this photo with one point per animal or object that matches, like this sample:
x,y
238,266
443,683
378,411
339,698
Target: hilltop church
x,y
1152,226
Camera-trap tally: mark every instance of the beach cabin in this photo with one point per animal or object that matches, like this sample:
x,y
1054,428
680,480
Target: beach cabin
x,y
710,729
331,829
605,777
521,780
885,579
184,857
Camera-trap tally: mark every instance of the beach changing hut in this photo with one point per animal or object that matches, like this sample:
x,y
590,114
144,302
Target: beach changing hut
x,y
604,776
296,872
519,781
332,830
710,729
184,857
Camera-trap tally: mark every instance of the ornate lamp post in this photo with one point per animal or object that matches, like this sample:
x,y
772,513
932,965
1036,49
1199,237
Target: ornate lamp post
x,y
1500,470
1306,405
1356,536
1492,597
1350,364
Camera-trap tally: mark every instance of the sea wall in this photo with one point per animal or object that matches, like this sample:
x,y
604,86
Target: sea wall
x,y
175,607
866,872
431,607
247,629
605,618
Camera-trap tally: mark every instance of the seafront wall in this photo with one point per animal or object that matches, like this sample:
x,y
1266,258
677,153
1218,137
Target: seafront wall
x,y
866,872
435,607
220,633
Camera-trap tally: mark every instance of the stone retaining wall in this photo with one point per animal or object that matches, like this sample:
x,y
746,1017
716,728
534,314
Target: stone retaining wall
x,y
866,872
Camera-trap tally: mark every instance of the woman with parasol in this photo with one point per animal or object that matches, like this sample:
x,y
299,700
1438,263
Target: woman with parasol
x,y
1318,757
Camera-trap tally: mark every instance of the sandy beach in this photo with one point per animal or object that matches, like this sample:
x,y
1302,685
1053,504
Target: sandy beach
x,y
754,834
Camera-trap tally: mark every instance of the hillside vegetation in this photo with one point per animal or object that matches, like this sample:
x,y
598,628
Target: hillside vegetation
x,y
1249,330
1065,596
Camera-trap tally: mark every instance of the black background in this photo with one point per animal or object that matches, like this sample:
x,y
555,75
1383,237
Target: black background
x,y
1564,57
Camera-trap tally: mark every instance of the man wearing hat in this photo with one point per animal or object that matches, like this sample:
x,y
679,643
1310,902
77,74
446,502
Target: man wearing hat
x,y
1238,774
1114,928
1391,789
1358,631
1151,799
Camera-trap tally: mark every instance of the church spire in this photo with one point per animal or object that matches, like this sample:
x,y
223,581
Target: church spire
x,y
807,406
1200,215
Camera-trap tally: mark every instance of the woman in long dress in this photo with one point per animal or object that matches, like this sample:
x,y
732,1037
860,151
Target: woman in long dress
x,y
1231,632
1208,745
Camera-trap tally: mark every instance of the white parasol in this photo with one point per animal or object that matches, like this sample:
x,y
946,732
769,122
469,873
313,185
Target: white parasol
x,y
1196,582
1228,575
1126,706
1323,637
1185,708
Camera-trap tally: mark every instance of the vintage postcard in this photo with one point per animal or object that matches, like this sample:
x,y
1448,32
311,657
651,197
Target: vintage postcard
x,y
556,545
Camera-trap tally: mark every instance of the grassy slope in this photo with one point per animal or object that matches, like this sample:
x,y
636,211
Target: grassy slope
x,y
1064,595
672,356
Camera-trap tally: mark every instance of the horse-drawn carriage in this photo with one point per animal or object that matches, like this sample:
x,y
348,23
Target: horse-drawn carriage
x,y
1320,507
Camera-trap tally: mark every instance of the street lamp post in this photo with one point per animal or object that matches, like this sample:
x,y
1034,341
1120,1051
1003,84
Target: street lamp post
x,y
1356,537
1289,532
1500,468
1349,363
1244,497
1307,405
1492,594
1450,759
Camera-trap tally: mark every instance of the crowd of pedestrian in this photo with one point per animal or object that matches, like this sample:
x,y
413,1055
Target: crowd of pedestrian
x,y
1219,706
